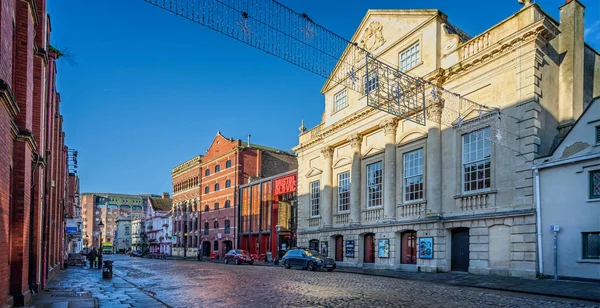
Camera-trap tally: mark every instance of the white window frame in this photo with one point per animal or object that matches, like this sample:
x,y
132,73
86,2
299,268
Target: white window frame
x,y
315,198
368,84
340,100
473,157
591,196
413,171
375,197
412,57
343,192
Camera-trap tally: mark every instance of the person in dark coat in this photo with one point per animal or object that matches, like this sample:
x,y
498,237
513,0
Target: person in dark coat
x,y
92,257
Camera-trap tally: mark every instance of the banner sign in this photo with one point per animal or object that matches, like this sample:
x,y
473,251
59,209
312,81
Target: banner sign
x,y
426,247
350,249
71,227
283,185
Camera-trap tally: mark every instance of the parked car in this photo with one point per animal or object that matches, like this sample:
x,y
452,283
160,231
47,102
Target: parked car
x,y
307,259
238,256
136,253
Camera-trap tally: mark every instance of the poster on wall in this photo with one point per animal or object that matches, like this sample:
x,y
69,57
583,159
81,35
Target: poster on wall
x,y
324,248
383,250
426,247
350,249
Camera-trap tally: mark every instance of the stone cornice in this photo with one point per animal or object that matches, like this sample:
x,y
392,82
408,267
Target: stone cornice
x,y
27,136
8,99
42,53
543,28
187,165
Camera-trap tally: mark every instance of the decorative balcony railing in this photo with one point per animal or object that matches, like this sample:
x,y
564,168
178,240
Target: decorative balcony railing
x,y
413,210
342,219
477,201
372,215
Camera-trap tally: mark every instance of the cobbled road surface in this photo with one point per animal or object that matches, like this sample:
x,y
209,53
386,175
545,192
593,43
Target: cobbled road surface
x,y
206,284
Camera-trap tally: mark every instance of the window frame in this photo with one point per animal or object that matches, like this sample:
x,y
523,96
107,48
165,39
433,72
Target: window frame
x,y
217,168
337,107
584,241
368,87
216,206
227,227
414,63
591,195
367,186
343,177
206,189
227,183
228,164
217,187
475,161
206,172
405,177
597,134
314,198
206,228
227,204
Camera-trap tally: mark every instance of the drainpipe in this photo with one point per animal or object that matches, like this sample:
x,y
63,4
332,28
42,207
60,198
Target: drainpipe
x,y
538,215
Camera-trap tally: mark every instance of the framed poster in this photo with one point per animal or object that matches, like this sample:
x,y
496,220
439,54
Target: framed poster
x,y
383,248
426,247
350,249
324,248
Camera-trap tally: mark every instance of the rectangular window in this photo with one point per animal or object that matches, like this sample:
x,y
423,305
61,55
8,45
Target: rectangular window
x,y
126,230
595,184
374,184
597,134
476,164
339,101
413,175
371,82
344,191
315,196
591,245
409,58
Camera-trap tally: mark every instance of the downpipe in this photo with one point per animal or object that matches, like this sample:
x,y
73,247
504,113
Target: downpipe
x,y
538,214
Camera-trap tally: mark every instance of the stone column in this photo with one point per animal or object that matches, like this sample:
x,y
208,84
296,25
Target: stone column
x,y
355,179
327,188
434,158
389,169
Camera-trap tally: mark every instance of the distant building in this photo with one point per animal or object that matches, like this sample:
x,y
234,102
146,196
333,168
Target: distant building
x,y
569,197
107,207
205,192
157,222
123,238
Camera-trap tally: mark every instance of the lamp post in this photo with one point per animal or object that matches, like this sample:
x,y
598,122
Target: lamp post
x,y
100,226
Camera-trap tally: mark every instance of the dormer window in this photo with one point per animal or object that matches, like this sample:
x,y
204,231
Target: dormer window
x,y
339,101
409,58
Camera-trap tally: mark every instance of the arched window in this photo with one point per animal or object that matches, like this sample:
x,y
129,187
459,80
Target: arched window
x,y
206,189
217,186
216,205
227,227
217,168
206,208
228,183
206,172
206,225
227,204
216,246
228,164
216,225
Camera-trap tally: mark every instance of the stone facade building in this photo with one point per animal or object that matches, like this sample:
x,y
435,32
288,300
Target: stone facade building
x,y
123,237
33,155
157,221
205,193
568,186
457,193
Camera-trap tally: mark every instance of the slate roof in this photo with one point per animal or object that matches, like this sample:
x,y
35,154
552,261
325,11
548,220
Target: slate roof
x,y
160,204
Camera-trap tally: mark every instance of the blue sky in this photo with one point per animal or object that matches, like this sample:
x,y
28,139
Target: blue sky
x,y
150,89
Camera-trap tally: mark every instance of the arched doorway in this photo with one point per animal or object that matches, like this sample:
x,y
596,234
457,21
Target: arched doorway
x,y
408,248
227,246
369,251
206,249
339,248
460,250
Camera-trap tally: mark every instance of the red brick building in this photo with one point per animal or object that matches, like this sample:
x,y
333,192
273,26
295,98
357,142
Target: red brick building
x,y
33,157
205,193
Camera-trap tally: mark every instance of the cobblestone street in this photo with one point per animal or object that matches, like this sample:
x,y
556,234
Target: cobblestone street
x,y
201,284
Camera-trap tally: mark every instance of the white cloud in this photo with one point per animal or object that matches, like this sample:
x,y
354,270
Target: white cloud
x,y
594,28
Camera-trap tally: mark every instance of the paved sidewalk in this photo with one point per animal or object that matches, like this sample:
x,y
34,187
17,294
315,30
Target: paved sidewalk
x,y
80,287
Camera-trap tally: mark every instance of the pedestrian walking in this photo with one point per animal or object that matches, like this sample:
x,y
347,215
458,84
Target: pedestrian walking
x,y
92,257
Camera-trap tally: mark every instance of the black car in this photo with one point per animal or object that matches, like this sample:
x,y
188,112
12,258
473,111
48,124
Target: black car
x,y
308,259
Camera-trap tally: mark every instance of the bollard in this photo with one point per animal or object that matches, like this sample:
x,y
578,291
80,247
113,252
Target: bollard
x,y
107,270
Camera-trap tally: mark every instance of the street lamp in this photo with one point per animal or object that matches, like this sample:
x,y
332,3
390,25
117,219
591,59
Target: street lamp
x,y
278,228
100,226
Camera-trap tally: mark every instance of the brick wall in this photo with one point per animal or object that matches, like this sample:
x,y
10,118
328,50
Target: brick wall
x,y
276,163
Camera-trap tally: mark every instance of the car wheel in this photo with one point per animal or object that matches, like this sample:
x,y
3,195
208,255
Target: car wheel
x,y
226,261
330,270
286,263
310,266
251,262
237,261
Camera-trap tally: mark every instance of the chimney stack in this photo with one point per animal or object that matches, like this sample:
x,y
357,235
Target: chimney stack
x,y
571,51
248,140
165,195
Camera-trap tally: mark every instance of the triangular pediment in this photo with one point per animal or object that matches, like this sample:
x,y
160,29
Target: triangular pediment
x,y
313,172
372,150
379,31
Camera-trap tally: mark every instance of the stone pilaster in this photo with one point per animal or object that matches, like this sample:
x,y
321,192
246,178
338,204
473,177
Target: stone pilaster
x,y
389,169
355,179
434,159
327,187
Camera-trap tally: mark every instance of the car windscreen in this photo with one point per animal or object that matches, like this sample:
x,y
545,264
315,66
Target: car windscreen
x,y
312,253
244,252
